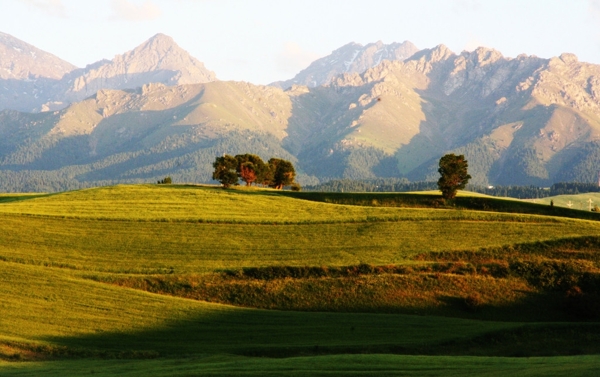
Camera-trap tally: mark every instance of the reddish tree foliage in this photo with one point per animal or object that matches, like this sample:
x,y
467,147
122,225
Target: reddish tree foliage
x,y
247,174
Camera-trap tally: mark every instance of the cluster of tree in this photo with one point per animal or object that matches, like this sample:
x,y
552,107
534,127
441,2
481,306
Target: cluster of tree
x,y
585,167
571,188
373,185
523,165
250,168
480,159
518,192
354,163
165,181
534,192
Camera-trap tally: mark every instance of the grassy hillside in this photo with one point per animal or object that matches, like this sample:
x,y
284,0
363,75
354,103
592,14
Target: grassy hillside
x,y
59,309
578,201
150,229
192,269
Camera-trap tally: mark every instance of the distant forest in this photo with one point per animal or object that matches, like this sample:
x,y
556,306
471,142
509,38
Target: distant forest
x,y
403,185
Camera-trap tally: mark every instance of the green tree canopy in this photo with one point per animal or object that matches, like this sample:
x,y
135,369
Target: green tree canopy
x,y
454,175
282,173
251,168
277,173
225,170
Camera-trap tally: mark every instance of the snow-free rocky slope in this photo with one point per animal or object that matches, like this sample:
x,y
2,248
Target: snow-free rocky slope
x,y
522,120
41,82
351,58
24,73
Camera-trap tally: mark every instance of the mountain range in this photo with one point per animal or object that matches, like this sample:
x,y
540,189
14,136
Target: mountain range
x,y
351,58
361,112
49,83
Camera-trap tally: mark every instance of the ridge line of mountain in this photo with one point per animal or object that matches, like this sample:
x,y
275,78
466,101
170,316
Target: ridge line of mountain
x,y
523,120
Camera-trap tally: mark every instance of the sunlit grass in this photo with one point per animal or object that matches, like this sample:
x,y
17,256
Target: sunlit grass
x,y
157,247
52,244
155,229
189,203
576,201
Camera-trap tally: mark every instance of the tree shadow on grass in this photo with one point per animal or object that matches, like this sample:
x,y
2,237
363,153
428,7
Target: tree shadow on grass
x,y
532,307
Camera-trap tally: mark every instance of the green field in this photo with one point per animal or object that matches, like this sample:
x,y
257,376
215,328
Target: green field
x,y
576,201
189,280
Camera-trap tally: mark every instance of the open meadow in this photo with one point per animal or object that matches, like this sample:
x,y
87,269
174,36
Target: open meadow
x,y
188,280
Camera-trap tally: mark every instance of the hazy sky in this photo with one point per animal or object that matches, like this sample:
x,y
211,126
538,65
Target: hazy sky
x,y
261,41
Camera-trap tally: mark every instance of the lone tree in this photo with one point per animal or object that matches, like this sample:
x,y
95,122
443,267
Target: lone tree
x,y
225,170
454,176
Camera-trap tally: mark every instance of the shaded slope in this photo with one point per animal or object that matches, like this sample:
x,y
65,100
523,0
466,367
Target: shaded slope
x,y
340,365
22,61
25,74
98,318
143,134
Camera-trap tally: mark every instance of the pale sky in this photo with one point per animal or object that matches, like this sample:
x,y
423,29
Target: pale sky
x,y
261,41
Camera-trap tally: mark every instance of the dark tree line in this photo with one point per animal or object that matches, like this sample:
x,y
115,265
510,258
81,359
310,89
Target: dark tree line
x,y
534,192
373,185
569,188
251,169
518,192
403,185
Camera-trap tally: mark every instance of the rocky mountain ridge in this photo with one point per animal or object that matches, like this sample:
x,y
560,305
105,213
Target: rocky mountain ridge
x,y
24,73
523,120
157,60
22,61
351,58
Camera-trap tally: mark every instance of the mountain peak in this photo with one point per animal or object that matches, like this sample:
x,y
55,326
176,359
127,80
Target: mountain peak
x,y
483,55
440,52
350,58
157,60
21,60
159,42
161,53
424,60
161,36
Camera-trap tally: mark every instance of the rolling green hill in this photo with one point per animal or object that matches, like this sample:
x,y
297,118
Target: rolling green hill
x,y
118,273
102,229
577,201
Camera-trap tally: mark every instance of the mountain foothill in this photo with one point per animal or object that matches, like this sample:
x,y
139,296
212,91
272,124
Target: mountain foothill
x,y
380,110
